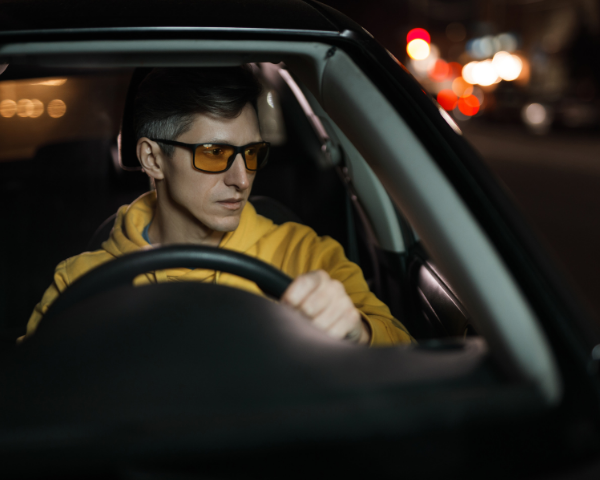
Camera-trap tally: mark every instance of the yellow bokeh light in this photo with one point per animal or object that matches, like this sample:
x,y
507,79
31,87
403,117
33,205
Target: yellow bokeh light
x,y
57,108
485,74
24,107
467,72
8,108
461,87
38,108
418,49
507,66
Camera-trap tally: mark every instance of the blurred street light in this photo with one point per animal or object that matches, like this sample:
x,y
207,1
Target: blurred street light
x,y
507,66
418,49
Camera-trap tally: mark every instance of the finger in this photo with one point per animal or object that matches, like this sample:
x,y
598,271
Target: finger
x,y
301,287
338,308
330,293
347,323
325,319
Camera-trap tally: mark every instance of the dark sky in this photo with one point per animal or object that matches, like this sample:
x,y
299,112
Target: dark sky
x,y
386,20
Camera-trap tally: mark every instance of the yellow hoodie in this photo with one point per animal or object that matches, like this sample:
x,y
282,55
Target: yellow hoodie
x,y
293,248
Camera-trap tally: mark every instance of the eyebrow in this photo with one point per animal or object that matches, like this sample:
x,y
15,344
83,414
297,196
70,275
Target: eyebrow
x,y
218,140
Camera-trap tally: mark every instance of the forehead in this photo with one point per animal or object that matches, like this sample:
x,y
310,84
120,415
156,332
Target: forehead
x,y
211,128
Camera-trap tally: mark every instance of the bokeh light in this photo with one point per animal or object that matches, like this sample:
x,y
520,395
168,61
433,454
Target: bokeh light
x,y
508,42
478,94
467,72
486,46
421,67
455,69
8,108
57,108
469,106
38,108
447,99
440,71
24,107
418,34
535,114
461,87
418,49
537,117
480,48
484,73
507,66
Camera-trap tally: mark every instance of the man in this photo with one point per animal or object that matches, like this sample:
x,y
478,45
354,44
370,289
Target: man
x,y
199,142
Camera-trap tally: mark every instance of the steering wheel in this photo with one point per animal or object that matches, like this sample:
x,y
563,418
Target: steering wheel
x,y
123,270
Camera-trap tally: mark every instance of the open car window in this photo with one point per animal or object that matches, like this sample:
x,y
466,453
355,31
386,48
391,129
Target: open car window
x,y
404,167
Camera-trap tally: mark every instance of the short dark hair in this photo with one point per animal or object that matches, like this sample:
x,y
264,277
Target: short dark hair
x,y
168,99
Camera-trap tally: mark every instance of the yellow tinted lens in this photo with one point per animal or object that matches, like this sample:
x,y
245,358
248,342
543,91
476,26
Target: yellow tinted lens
x,y
255,155
251,154
212,158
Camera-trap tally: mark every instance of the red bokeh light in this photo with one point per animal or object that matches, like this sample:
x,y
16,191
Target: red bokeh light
x,y
455,69
469,106
440,71
418,33
447,99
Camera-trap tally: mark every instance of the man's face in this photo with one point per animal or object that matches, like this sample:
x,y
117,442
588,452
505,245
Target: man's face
x,y
214,199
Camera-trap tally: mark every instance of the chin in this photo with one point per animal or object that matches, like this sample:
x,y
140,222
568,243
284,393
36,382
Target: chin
x,y
224,224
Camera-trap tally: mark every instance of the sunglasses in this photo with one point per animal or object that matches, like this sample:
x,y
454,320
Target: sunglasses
x,y
218,157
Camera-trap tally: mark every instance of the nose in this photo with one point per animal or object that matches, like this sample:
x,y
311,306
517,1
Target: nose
x,y
237,175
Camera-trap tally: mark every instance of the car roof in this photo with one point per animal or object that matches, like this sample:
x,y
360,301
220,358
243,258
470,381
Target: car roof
x,y
73,14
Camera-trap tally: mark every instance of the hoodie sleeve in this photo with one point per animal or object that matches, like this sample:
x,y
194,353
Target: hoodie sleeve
x,y
312,252
65,274
59,285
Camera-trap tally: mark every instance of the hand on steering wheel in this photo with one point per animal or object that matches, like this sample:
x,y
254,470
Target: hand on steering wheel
x,y
321,299
325,302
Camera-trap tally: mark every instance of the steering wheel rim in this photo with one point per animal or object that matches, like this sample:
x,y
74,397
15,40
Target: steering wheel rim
x,y
123,270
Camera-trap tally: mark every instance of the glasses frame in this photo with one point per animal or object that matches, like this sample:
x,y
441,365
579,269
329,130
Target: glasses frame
x,y
236,150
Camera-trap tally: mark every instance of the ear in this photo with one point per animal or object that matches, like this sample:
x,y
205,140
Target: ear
x,y
151,157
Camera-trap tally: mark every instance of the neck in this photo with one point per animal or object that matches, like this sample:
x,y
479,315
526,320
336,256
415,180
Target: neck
x,y
173,225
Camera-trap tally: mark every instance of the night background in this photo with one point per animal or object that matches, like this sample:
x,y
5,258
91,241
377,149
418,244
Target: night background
x,y
539,133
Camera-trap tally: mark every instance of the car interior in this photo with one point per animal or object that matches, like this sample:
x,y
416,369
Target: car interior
x,y
308,180
344,161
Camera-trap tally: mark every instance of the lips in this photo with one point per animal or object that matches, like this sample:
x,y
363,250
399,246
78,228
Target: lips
x,y
231,203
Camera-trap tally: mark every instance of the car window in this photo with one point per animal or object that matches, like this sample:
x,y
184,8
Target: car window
x,y
399,158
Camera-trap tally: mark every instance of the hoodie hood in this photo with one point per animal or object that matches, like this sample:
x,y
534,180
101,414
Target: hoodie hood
x,y
126,235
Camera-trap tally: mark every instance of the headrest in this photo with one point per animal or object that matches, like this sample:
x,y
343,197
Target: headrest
x,y
127,141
